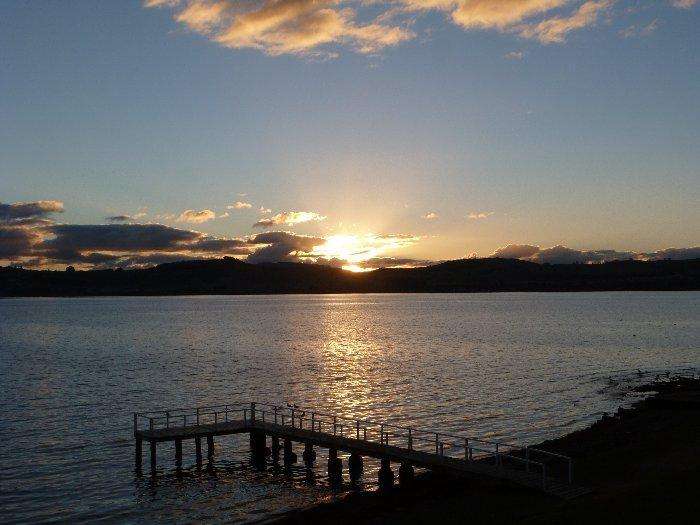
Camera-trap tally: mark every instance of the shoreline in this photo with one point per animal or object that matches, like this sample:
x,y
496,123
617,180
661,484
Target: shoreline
x,y
641,466
314,293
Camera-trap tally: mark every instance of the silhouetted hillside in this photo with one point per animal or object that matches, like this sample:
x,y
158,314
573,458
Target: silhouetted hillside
x,y
230,276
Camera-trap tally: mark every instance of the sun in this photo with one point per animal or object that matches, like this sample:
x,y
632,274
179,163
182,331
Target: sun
x,y
353,250
349,248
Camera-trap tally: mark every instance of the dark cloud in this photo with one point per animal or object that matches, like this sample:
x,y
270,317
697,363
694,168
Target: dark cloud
x,y
282,247
27,237
16,241
564,255
24,211
128,244
516,251
119,218
673,253
118,237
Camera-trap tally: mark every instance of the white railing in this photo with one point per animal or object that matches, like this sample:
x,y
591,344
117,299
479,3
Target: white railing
x,y
466,448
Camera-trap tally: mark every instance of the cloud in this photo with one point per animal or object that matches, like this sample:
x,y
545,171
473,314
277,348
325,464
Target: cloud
x,y
119,244
289,218
282,247
683,4
514,55
202,16
498,14
28,237
563,255
559,254
196,217
639,31
119,218
430,216
314,27
16,241
239,205
279,27
675,254
555,29
160,3
477,215
22,211
516,251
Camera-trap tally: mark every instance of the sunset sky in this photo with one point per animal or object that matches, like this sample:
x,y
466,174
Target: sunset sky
x,y
357,133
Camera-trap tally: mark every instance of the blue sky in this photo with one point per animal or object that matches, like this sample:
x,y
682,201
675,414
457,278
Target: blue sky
x,y
116,108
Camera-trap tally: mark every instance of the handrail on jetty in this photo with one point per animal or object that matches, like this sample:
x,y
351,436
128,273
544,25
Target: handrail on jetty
x,y
362,437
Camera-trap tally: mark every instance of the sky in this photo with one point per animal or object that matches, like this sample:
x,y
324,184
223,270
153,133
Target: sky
x,y
353,133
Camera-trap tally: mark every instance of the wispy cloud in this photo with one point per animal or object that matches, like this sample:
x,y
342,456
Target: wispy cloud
x,y
640,31
555,29
289,218
239,205
196,217
285,26
430,216
683,4
514,55
313,27
477,215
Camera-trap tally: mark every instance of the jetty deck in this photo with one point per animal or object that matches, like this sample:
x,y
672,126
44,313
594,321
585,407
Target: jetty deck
x,y
408,446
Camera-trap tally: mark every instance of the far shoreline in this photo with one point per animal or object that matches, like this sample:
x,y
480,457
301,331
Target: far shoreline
x,y
234,277
314,294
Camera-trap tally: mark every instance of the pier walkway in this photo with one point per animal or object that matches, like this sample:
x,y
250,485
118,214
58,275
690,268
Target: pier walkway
x,y
408,446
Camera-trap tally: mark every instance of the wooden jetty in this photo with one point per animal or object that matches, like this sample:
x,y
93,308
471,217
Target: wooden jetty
x,y
407,446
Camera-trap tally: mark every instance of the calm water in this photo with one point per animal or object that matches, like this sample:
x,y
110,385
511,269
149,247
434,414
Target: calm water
x,y
523,366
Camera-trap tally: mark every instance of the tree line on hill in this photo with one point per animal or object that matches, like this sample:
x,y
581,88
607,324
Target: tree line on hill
x,y
231,276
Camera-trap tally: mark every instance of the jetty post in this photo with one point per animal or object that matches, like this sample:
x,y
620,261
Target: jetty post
x,y
153,458
210,447
198,451
335,466
386,475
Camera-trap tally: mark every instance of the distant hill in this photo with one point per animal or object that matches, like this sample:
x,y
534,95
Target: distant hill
x,y
231,276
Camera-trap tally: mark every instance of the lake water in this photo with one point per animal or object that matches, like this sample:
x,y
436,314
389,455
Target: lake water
x,y
522,366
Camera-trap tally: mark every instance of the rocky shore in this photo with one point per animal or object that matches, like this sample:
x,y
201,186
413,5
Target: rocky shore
x,y
641,464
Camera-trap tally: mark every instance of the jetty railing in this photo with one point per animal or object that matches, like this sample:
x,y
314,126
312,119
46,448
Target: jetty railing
x,y
456,446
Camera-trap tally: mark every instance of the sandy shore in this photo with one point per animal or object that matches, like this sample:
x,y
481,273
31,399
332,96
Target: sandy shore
x,y
642,467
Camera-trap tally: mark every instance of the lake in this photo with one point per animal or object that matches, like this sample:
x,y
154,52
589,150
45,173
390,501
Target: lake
x,y
520,366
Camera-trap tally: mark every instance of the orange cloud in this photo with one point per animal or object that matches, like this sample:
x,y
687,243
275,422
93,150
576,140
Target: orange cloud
x,y
284,26
476,215
240,205
314,27
289,218
196,217
554,30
